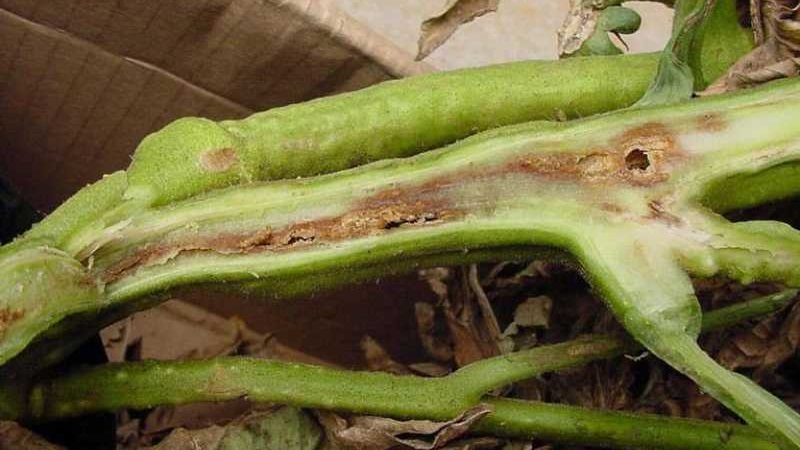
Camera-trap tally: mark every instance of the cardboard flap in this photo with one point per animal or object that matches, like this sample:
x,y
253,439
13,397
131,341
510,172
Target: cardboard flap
x,y
83,81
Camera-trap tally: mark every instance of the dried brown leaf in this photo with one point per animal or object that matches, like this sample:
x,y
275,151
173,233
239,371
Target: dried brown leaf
x,y
530,389
468,343
14,437
759,66
378,359
785,345
436,347
534,312
436,30
765,346
180,330
776,27
578,26
603,384
469,329
430,369
183,439
377,433
687,400
479,443
701,405
534,270
277,429
437,278
193,415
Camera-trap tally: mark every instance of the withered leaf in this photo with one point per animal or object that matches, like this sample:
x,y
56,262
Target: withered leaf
x,y
776,25
437,279
183,439
436,347
786,343
278,429
14,437
577,27
469,343
534,312
377,433
759,66
764,347
436,30
181,330
430,369
479,443
378,359
191,415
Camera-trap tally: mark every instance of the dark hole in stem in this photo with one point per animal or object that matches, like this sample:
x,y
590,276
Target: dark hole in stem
x,y
637,159
424,218
297,239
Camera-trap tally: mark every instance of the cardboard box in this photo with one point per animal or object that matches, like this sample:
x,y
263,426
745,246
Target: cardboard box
x,y
83,81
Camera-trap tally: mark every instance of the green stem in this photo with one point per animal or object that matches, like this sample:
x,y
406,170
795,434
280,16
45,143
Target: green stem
x,y
147,384
582,426
580,187
390,120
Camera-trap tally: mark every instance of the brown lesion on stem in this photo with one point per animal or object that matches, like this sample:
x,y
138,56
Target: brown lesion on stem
x,y
711,122
7,317
642,156
218,160
372,217
659,212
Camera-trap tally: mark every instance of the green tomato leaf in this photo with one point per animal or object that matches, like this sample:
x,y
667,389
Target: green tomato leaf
x,y
674,79
614,19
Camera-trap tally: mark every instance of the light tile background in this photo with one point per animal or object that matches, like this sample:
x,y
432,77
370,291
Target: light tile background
x,y
520,29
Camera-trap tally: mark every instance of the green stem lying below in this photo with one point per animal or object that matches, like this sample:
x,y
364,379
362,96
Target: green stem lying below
x,y
583,426
146,384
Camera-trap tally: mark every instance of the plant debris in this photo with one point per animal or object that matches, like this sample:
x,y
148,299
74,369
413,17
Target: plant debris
x,y
14,437
534,312
776,27
279,429
436,30
179,330
588,26
378,433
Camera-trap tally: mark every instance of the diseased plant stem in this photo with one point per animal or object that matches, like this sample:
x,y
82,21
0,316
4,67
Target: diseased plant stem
x,y
637,231
147,384
393,119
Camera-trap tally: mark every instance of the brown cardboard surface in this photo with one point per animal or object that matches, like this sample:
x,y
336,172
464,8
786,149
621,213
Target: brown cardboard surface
x,y
83,81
